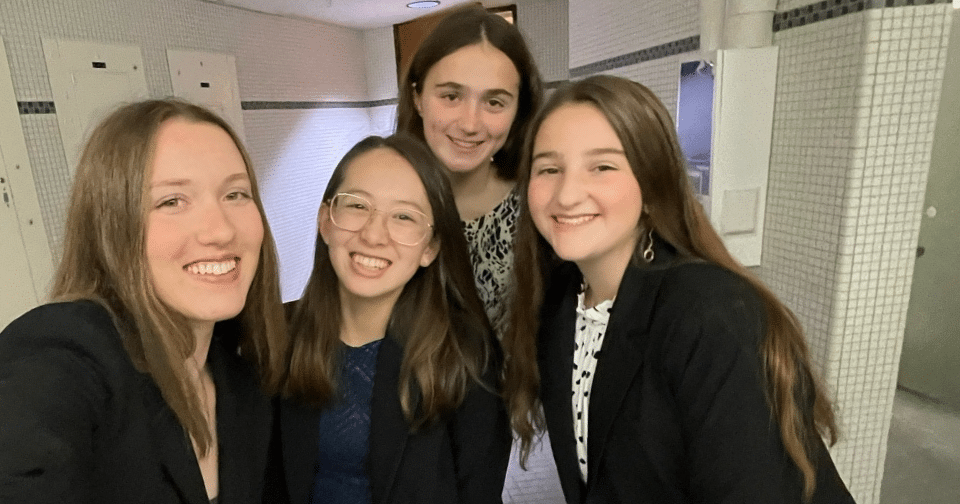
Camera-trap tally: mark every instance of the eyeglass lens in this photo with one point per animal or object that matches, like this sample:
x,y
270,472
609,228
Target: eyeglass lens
x,y
405,226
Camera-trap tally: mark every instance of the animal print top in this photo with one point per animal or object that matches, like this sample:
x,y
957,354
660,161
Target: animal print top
x,y
490,240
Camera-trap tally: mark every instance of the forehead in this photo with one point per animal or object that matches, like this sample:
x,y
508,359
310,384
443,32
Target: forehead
x,y
576,126
385,177
185,149
478,66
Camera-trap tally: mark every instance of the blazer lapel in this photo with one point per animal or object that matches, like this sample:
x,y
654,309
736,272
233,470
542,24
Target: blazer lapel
x,y
173,447
388,427
620,358
243,426
299,437
555,354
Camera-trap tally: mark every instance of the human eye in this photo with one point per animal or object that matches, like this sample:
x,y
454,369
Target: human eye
x,y
545,170
239,195
170,203
606,167
450,96
407,216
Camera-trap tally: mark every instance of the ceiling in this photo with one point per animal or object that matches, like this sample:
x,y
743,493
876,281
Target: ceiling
x,y
351,13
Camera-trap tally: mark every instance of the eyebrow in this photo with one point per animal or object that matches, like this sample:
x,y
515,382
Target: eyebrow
x,y
181,182
488,92
365,194
592,152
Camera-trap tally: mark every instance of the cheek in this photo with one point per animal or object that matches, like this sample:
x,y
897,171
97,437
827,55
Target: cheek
x,y
164,241
539,194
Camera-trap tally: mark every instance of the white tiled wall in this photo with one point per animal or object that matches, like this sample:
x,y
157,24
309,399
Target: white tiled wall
x,y
278,59
543,24
601,29
855,109
607,28
852,140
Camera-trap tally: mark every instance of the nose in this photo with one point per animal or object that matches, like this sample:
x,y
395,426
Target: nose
x,y
470,116
215,225
569,190
374,232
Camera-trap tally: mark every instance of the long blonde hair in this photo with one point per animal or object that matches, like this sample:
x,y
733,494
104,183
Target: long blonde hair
x,y
646,131
104,259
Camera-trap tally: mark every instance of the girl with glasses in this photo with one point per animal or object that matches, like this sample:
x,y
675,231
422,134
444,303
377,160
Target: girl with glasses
x,y
391,389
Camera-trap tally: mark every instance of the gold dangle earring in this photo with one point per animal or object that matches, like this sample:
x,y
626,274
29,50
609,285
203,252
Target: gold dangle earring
x,y
648,254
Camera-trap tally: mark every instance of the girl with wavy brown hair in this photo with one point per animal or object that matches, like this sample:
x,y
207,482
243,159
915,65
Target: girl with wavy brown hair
x,y
667,372
138,383
392,393
470,92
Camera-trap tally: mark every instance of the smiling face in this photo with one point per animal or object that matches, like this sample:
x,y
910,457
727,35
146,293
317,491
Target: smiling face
x,y
368,262
203,229
583,196
468,103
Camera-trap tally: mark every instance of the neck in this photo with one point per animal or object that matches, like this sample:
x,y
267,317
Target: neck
x,y
603,280
472,183
202,335
363,320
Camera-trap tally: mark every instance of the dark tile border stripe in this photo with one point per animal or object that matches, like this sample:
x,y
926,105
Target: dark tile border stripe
x,y
305,105
651,53
830,9
36,107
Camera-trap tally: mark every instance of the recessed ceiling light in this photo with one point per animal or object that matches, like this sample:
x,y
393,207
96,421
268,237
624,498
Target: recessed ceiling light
x,y
426,4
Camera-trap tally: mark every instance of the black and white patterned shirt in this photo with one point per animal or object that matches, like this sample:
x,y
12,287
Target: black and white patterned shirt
x,y
490,240
591,327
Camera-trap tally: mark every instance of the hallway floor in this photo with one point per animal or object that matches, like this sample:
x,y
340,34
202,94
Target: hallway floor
x,y
923,453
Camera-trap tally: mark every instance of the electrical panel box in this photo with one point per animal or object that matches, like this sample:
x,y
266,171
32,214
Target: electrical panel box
x,y
208,79
26,264
89,80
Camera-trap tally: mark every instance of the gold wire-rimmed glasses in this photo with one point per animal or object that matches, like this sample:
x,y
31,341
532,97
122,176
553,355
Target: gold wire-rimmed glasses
x,y
405,225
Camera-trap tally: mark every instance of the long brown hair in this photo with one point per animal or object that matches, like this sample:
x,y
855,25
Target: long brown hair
x,y
438,319
466,26
104,259
646,131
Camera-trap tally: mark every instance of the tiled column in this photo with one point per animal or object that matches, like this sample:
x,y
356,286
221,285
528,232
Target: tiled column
x,y
858,90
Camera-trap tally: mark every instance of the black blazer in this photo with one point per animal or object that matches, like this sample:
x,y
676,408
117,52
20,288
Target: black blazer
x,y
78,423
461,459
677,412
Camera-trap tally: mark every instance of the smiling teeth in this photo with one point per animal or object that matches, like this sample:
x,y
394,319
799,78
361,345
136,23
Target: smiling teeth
x,y
370,262
464,143
572,221
212,268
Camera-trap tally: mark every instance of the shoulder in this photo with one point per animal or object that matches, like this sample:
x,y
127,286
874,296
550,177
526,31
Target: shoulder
x,y
81,325
705,286
702,307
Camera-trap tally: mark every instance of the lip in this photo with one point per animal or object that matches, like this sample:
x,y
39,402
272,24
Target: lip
x,y
220,270
368,265
465,144
573,221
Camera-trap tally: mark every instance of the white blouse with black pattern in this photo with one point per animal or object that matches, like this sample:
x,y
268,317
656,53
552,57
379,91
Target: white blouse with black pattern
x,y
591,327
490,240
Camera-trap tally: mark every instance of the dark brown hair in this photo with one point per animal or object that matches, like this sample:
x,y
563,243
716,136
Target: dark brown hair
x,y
646,131
466,26
438,319
104,258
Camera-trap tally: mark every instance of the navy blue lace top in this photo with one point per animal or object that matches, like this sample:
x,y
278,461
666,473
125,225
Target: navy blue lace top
x,y
344,441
